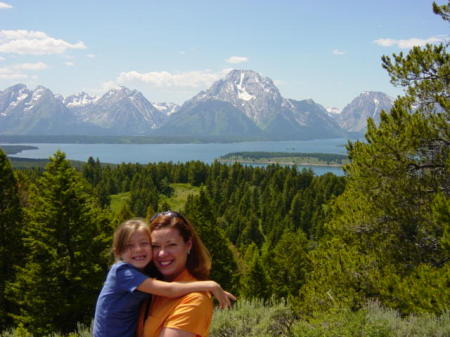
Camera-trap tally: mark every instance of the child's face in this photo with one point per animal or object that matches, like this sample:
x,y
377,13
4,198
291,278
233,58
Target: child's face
x,y
138,250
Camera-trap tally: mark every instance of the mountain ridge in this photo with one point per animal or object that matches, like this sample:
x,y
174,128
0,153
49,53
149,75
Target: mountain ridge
x,y
243,103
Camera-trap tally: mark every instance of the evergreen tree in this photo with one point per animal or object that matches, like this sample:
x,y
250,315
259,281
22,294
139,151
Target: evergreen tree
x,y
224,266
287,264
11,222
143,195
66,238
393,215
255,283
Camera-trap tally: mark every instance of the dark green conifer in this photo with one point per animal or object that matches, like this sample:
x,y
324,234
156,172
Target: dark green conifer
x,y
66,240
224,267
11,223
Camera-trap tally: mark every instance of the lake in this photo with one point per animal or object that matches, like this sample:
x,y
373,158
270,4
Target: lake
x,y
145,153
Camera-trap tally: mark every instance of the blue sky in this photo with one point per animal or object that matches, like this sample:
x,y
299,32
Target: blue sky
x,y
327,50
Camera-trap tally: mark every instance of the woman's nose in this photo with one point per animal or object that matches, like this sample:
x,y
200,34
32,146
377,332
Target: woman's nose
x,y
160,252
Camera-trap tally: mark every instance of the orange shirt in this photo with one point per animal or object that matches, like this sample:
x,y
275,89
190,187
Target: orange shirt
x,y
191,313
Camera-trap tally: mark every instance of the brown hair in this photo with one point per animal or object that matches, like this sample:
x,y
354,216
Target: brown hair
x,y
123,233
198,261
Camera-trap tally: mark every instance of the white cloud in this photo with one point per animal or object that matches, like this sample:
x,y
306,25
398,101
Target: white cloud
x,y
25,42
17,71
409,43
91,56
236,59
2,58
4,5
11,74
338,52
69,64
31,66
165,79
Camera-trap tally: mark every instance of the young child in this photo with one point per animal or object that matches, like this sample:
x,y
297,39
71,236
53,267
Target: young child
x,y
126,285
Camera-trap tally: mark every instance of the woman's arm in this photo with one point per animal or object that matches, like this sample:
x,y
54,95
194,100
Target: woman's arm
x,y
177,289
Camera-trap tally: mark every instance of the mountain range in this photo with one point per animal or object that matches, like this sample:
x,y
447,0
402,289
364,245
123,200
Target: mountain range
x,y
244,104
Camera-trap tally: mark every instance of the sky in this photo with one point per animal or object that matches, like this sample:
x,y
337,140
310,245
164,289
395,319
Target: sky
x,y
326,50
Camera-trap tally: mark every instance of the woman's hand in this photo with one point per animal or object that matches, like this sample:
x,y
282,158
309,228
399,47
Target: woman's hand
x,y
223,297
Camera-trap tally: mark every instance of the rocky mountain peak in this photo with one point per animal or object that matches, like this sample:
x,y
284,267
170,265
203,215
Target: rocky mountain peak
x,y
248,91
368,104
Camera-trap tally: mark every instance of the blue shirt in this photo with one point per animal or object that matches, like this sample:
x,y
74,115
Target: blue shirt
x,y
116,312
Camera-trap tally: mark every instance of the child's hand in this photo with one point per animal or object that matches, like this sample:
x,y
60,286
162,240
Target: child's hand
x,y
223,297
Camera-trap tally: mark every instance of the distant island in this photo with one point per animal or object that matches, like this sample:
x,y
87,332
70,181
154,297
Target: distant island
x,y
286,158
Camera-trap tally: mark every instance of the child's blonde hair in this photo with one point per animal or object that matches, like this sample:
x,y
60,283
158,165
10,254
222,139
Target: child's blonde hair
x,y
123,233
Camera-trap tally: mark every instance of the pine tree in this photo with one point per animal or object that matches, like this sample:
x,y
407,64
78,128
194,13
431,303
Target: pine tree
x,y
224,267
393,215
287,264
255,283
11,223
66,238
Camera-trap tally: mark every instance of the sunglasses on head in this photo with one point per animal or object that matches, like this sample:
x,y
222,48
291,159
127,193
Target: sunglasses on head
x,y
168,213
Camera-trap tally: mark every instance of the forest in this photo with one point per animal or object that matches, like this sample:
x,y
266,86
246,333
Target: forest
x,y
366,254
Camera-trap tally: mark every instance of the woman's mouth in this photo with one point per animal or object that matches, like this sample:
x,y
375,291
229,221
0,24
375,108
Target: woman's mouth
x,y
165,263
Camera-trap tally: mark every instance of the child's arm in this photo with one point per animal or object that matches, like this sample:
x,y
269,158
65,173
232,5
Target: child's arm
x,y
177,289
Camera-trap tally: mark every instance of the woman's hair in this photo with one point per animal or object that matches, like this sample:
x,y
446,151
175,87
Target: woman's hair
x,y
198,260
123,233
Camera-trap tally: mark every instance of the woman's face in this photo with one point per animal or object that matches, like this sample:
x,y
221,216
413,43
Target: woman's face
x,y
169,252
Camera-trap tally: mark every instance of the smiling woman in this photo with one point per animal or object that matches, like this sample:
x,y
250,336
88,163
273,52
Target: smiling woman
x,y
179,255
127,285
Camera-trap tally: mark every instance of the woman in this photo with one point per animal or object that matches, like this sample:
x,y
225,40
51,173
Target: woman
x,y
179,255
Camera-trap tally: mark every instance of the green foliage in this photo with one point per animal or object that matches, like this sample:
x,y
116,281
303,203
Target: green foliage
x,y
65,244
224,267
253,318
287,264
255,281
443,10
143,194
387,237
373,321
11,222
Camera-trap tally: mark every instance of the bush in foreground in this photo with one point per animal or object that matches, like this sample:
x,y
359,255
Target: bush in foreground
x,y
256,319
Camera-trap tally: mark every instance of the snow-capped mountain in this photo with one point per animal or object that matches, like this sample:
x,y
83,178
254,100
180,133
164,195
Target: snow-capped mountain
x,y
354,116
242,105
119,112
260,101
247,91
39,111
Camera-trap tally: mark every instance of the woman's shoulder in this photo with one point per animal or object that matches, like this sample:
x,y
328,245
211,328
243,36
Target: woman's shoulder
x,y
197,297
